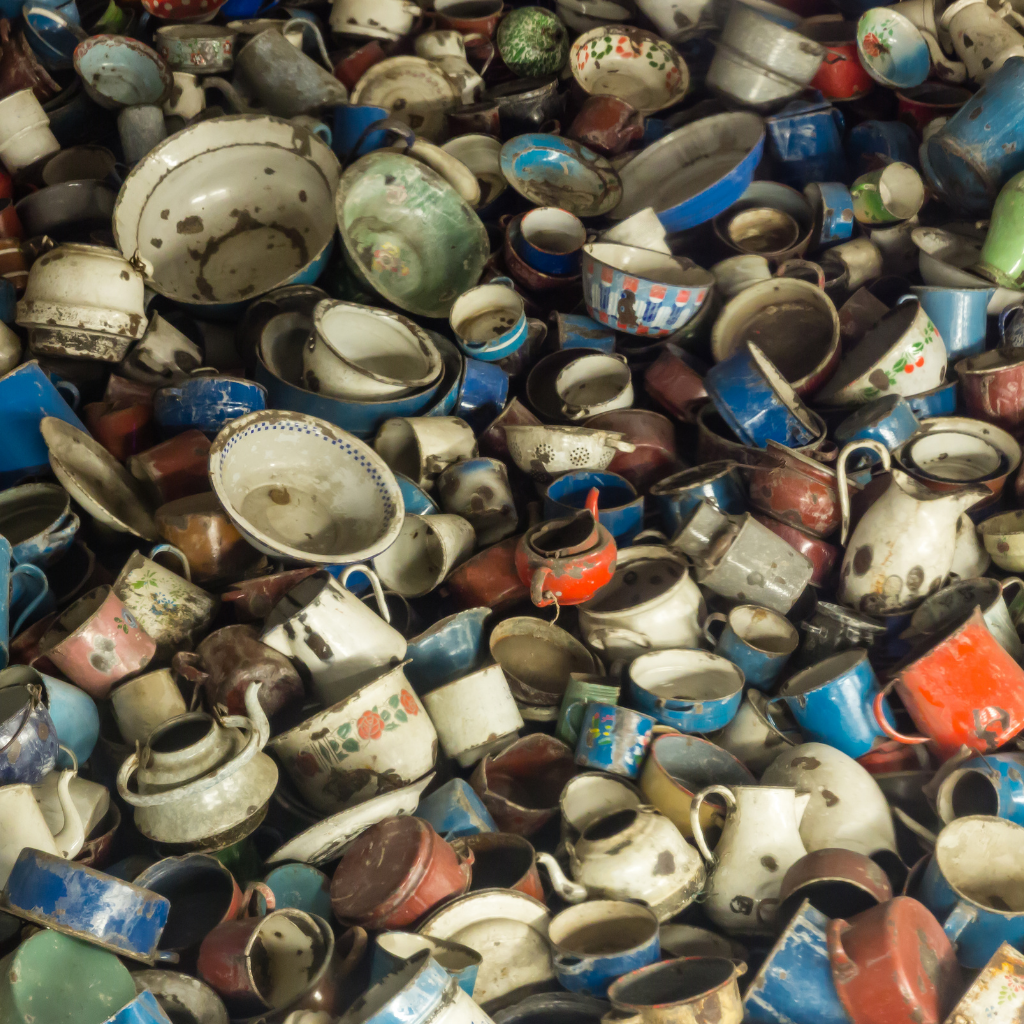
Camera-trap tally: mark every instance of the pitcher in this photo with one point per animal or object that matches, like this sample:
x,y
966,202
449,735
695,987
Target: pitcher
x,y
760,842
902,549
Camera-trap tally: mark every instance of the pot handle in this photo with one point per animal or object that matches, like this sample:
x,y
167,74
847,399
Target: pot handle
x,y
66,385
886,727
378,590
303,24
712,619
537,591
842,483
1004,317
600,637
190,789
1009,582
170,549
843,967
698,833
960,917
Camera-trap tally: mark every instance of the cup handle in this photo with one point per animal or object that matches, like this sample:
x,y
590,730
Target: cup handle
x,y
960,917
1004,317
386,124
378,590
170,549
712,619
305,26
248,901
886,727
698,833
66,385
187,664
28,569
1009,582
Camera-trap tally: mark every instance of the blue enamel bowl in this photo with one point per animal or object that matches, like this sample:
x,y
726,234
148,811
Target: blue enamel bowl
x,y
672,175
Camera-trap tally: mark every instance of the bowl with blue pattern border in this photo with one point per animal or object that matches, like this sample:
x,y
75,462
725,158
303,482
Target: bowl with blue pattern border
x,y
298,487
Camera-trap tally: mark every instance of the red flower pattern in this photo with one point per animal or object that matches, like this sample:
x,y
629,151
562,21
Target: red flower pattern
x,y
409,703
370,726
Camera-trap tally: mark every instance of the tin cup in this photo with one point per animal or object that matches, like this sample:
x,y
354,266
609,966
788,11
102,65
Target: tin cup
x,y
756,640
489,320
614,739
551,240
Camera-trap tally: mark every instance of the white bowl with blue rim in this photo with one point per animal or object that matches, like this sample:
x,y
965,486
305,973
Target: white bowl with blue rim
x,y
641,291
695,172
892,48
299,488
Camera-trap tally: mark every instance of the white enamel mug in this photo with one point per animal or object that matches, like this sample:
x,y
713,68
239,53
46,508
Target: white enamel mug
x,y
594,384
426,550
22,825
329,630
474,715
376,19
422,447
187,97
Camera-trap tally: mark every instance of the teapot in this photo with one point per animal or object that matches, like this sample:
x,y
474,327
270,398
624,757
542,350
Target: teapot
x,y
630,854
202,781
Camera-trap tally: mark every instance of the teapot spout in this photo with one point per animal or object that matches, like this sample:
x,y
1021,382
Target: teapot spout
x,y
800,804
257,715
571,892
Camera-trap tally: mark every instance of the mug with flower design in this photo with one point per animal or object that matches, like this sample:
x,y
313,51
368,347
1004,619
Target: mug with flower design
x,y
97,642
376,740
168,606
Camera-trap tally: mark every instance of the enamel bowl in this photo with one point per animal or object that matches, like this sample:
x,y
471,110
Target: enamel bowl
x,y
953,457
640,291
552,171
694,173
260,228
120,72
408,234
892,49
301,488
631,64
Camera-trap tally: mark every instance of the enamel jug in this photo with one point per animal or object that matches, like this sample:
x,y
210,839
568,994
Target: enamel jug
x,y
760,842
902,548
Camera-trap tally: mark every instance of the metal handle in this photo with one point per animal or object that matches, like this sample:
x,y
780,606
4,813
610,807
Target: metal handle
x,y
28,569
170,549
378,590
711,620
698,832
841,480
886,727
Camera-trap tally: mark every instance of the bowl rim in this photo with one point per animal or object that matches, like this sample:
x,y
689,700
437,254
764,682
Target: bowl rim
x,y
327,430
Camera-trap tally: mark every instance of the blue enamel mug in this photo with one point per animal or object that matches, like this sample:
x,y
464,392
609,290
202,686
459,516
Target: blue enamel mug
x,y
833,212
993,784
940,401
599,941
614,739
755,639
206,402
833,702
393,949
977,866
960,316
620,510
689,690
888,420
454,810
38,586
806,140
451,648
38,521
676,497
27,396
483,393
351,138
551,240
574,330
795,980
489,320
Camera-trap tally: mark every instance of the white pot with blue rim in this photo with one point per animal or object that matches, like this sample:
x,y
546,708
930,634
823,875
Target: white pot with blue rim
x,y
420,990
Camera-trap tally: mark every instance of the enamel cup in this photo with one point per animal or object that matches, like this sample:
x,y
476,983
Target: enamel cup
x,y
755,639
489,321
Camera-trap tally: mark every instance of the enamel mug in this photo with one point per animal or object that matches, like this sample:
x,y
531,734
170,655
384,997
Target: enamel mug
x,y
393,949
614,739
39,585
489,321
333,634
689,690
757,640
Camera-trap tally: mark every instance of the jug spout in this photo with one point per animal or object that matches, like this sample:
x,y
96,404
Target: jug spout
x,y
71,838
571,892
800,805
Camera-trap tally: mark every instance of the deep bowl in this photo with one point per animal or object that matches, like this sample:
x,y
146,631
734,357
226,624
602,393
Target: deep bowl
x,y
408,234
299,487
260,228
640,291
